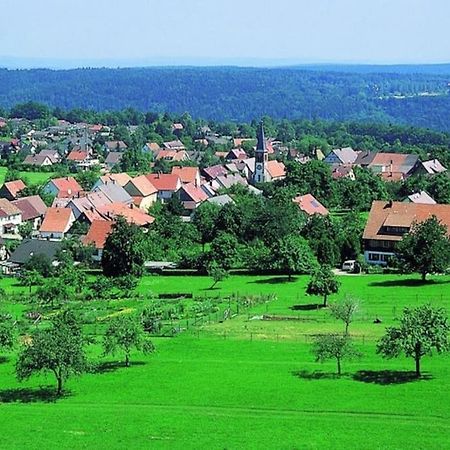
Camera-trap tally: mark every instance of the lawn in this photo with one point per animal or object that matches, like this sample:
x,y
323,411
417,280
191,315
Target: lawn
x,y
36,178
30,178
219,386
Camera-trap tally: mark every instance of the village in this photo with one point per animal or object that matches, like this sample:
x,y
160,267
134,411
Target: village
x,y
248,163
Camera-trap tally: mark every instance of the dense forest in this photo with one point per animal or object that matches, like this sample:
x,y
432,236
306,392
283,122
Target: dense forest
x,y
243,94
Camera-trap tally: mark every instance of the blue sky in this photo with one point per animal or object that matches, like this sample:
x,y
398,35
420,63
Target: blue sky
x,y
226,31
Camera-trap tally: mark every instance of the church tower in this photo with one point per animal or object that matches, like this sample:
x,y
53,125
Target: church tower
x,y
261,157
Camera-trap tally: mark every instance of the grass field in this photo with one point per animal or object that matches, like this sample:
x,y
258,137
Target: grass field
x,y
245,383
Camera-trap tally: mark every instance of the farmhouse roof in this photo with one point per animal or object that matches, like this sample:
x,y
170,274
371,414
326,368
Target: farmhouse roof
x,y
401,214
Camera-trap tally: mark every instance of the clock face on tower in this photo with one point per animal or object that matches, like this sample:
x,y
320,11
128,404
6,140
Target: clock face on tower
x,y
258,166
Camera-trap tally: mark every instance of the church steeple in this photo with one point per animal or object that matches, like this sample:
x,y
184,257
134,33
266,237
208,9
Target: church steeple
x,y
261,145
261,157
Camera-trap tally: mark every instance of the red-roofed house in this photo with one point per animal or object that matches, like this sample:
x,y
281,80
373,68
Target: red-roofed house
x,y
131,214
166,184
388,222
187,174
192,196
97,235
143,192
309,205
11,189
63,187
57,222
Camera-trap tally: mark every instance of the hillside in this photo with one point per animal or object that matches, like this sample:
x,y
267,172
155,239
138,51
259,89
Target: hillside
x,y
241,94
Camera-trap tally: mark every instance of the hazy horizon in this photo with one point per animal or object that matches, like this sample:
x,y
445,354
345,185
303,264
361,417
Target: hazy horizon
x,y
140,33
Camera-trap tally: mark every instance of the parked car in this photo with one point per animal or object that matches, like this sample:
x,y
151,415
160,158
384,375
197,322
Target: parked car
x,y
349,265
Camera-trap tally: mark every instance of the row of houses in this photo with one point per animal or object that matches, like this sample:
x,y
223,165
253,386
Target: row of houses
x,y
390,166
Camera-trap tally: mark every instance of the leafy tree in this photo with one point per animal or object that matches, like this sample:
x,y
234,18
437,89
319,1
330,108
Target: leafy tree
x,y
425,249
323,283
345,310
334,346
53,292
217,273
41,264
224,250
204,219
31,278
123,251
58,349
101,287
292,254
123,334
25,230
422,330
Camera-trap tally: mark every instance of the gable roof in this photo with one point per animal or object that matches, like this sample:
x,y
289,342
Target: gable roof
x,y
421,197
401,214
7,208
98,233
276,169
37,160
310,205
77,155
345,155
57,220
14,187
196,194
214,171
131,213
31,207
30,247
66,184
114,192
116,145
186,174
143,185
164,181
433,166
394,162
120,178
113,158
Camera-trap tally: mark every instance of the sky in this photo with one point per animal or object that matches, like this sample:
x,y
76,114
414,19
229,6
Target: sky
x,y
211,32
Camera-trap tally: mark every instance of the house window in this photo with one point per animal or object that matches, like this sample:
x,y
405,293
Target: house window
x,y
374,257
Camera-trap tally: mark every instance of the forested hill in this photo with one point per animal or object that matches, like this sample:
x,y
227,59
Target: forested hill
x,y
242,94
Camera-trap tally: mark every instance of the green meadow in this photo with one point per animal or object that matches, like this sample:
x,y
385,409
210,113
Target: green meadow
x,y
247,382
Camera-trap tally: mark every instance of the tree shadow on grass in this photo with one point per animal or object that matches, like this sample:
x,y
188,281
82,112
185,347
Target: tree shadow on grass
x,y
275,280
112,366
409,282
46,394
210,289
316,375
310,307
385,377
3,359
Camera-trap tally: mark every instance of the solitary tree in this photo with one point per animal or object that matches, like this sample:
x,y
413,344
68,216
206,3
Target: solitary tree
x,y
58,349
123,334
323,283
425,249
345,310
334,346
421,330
217,273
123,251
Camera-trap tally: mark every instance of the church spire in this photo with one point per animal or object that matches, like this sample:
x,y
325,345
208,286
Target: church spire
x,y
261,145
